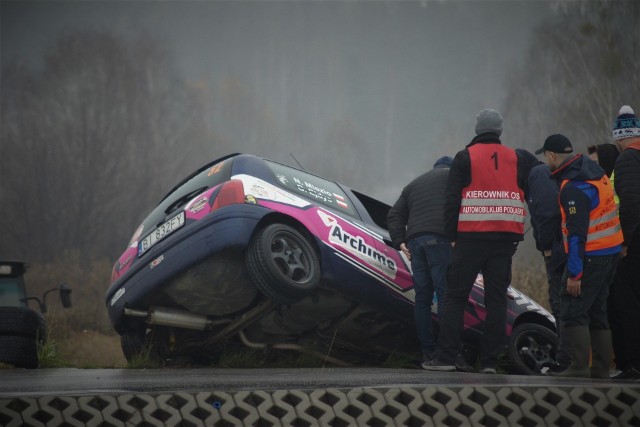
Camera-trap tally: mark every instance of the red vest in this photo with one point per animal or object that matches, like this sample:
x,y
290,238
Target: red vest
x,y
492,202
604,223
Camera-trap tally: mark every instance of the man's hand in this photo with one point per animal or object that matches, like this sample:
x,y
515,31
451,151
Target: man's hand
x,y
573,287
546,253
453,244
405,250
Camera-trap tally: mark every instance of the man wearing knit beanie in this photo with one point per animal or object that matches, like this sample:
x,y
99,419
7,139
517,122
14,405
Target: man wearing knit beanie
x,y
484,217
489,121
625,294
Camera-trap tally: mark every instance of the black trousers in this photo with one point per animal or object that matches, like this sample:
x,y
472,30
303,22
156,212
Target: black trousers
x,y
468,258
554,279
624,312
590,307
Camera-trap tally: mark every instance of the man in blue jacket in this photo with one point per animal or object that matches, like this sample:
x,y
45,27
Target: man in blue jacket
x,y
592,240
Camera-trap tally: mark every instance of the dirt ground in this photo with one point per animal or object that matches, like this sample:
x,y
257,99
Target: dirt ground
x,y
91,349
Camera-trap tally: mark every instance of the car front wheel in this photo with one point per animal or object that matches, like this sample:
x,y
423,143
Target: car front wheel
x,y
283,264
532,347
19,351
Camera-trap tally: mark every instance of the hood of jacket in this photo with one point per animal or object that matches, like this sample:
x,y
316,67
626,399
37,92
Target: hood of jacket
x,y
485,138
578,168
529,161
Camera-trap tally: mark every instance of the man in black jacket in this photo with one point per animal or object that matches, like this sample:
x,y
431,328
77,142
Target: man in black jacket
x,y
416,227
626,286
542,200
484,221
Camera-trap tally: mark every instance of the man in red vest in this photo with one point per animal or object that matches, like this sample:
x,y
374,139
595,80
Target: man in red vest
x,y
484,221
592,240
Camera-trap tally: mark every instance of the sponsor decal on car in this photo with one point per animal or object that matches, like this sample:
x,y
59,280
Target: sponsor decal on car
x,y
124,262
357,246
260,189
215,168
340,201
153,264
117,295
198,205
530,305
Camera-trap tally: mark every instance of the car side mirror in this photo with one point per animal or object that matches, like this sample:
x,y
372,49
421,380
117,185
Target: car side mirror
x,y
65,295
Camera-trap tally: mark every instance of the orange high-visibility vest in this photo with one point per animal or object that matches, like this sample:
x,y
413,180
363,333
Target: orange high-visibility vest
x,y
604,223
492,202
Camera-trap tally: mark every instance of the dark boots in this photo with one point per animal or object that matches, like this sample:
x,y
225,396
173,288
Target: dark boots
x,y
578,340
602,353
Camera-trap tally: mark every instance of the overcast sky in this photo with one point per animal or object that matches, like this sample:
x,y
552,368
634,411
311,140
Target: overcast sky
x,y
402,72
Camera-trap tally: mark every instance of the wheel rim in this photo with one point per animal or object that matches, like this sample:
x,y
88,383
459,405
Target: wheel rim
x,y
535,352
290,258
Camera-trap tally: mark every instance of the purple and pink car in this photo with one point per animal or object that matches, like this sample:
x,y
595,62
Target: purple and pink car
x,y
257,253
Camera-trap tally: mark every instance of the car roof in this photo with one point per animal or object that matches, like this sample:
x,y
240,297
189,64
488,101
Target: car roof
x,y
12,268
196,172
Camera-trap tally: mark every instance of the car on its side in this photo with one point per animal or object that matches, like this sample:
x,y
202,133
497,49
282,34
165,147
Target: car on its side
x,y
260,253
22,330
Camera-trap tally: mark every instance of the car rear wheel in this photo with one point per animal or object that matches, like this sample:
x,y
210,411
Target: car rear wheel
x,y
138,348
532,347
283,264
133,346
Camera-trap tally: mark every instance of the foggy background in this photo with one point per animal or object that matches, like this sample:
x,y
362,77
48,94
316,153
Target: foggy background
x,y
106,105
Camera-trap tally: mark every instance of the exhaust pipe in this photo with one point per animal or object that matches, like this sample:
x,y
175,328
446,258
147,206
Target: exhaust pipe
x,y
164,316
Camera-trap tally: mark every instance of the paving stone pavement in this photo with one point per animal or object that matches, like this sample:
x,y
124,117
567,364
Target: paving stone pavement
x,y
412,405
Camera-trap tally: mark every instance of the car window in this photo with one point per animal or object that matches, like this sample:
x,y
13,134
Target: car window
x,y
312,187
377,210
11,293
205,178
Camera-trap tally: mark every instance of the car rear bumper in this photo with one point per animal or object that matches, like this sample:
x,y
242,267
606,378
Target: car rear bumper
x,y
229,228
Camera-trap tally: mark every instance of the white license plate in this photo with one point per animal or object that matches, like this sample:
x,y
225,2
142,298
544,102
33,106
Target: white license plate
x,y
160,233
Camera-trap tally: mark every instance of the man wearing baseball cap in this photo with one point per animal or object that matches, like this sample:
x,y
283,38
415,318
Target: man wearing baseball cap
x,y
592,240
556,144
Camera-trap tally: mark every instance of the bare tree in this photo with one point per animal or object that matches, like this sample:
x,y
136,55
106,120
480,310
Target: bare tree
x,y
578,72
89,143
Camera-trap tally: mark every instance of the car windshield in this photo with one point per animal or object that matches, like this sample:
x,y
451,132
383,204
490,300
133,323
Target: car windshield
x,y
205,178
313,187
11,294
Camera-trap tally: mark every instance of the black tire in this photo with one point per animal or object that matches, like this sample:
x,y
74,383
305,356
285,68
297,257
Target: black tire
x,y
531,348
138,346
23,322
283,264
133,345
21,352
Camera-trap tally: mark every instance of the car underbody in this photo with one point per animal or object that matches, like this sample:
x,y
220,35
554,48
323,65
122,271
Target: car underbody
x,y
189,320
